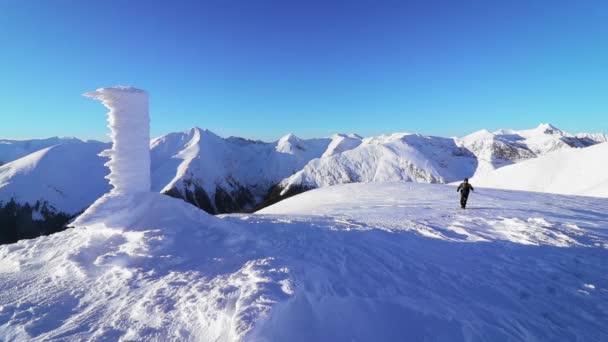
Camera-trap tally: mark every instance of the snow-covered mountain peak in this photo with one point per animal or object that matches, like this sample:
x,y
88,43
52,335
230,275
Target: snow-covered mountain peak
x,y
482,134
387,138
346,135
540,130
342,143
566,171
547,128
202,133
290,144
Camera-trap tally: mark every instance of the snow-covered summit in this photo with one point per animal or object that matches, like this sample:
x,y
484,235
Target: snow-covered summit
x,y
226,174
342,143
420,158
399,156
235,174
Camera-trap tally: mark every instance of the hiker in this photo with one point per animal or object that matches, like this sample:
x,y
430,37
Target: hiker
x,y
464,189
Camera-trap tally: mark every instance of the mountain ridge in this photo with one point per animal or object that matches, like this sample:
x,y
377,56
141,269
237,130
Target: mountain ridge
x,y
224,175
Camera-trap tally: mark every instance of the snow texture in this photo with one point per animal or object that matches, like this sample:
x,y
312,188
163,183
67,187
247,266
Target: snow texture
x,y
129,122
356,262
396,157
68,176
568,171
203,158
200,158
429,159
14,149
342,143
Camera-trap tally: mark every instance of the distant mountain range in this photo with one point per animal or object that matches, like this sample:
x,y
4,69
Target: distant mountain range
x,y
429,159
223,175
567,171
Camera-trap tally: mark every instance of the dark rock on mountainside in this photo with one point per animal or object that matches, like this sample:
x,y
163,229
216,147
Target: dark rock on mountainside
x,y
275,196
240,199
25,221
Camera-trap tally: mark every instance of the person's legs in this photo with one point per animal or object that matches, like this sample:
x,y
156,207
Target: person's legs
x,y
463,201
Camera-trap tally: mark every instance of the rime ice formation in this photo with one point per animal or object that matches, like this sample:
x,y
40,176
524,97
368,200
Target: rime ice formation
x,y
129,122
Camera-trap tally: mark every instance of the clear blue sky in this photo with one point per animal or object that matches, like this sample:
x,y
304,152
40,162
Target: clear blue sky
x,y
260,69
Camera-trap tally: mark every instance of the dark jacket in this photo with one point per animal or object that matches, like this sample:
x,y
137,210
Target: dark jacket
x,y
465,188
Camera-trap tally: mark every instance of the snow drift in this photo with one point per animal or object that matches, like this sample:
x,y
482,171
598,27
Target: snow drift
x,y
129,122
365,262
570,171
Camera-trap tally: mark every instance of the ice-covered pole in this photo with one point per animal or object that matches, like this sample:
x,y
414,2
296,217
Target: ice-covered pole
x,y
129,123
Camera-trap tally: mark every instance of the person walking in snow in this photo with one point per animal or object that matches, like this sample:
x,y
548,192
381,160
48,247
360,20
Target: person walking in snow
x,y
464,188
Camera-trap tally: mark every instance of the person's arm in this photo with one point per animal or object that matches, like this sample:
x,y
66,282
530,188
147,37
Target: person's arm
x,y
459,187
471,188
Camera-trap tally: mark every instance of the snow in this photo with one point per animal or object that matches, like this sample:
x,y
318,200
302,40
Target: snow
x,y
198,157
129,122
569,171
365,262
206,159
429,159
400,156
505,146
342,143
60,175
14,149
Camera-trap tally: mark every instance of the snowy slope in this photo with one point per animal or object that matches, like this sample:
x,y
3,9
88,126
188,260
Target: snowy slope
x,y
356,262
231,174
569,171
401,156
504,147
14,149
234,174
71,175
429,159
342,143
68,176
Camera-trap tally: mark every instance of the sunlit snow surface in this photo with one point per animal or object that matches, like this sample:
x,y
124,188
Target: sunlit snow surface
x,y
357,262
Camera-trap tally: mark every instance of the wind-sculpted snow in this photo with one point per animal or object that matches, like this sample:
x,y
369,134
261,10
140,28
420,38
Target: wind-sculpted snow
x,y
129,122
364,262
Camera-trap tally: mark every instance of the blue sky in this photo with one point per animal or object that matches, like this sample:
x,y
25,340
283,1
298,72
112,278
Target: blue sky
x,y
260,69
